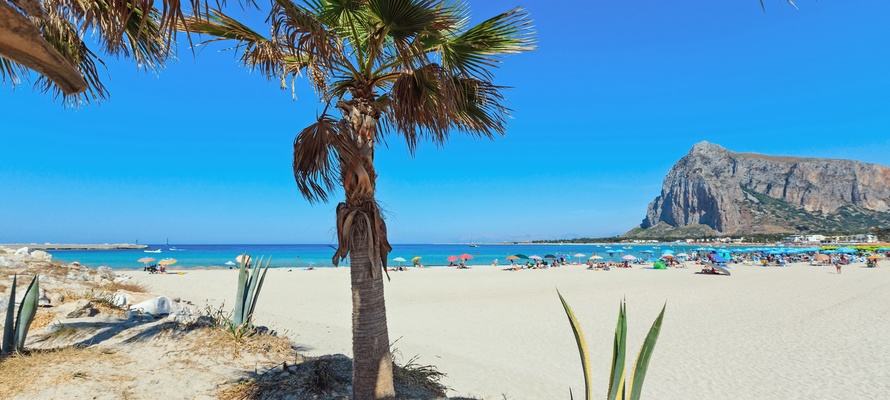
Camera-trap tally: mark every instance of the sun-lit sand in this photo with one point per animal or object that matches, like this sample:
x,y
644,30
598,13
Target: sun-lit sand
x,y
763,333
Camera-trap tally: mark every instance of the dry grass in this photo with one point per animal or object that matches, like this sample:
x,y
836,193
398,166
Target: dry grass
x,y
134,287
42,319
22,372
102,301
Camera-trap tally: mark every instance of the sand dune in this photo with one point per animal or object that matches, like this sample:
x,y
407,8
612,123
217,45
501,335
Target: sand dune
x,y
763,333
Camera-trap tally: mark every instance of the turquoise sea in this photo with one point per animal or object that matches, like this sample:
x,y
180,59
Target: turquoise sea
x,y
319,255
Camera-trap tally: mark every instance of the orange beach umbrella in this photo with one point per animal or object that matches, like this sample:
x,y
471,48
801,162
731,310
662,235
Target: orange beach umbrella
x,y
145,259
167,261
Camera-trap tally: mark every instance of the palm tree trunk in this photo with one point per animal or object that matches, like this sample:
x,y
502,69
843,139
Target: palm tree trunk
x,y
372,365
372,361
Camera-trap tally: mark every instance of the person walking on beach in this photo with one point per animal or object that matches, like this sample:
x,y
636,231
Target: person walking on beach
x,y
837,265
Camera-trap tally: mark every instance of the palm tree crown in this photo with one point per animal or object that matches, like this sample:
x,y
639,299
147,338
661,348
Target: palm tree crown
x,y
413,66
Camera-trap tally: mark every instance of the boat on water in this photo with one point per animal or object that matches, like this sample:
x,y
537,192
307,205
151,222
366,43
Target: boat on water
x,y
474,245
153,251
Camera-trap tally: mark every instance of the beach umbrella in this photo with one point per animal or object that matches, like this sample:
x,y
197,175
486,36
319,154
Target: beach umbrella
x,y
579,256
465,256
595,258
550,256
145,259
883,248
874,257
167,261
628,257
415,259
521,256
230,263
667,256
452,258
243,258
847,250
399,260
667,252
822,257
535,257
512,258
619,251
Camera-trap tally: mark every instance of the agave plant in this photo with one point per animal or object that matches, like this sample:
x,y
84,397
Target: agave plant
x,y
249,286
15,330
618,389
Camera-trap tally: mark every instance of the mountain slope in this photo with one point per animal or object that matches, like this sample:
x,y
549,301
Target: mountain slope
x,y
748,193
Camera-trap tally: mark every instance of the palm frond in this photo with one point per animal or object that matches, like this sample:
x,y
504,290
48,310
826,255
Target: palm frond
x,y
481,110
65,37
402,29
24,47
419,107
123,28
11,72
315,159
306,38
476,51
256,51
431,103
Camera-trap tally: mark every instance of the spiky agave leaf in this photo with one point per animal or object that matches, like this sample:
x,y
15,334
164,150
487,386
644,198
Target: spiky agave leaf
x,y
635,387
9,326
582,348
258,287
26,314
243,276
616,377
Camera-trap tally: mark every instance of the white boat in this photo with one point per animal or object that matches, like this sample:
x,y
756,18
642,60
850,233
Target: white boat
x,y
153,251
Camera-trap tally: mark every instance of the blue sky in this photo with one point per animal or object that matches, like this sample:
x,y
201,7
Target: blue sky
x,y
615,94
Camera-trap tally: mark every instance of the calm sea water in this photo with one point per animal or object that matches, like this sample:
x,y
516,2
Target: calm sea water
x,y
306,255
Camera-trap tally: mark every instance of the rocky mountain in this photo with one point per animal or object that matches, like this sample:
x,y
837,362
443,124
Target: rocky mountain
x,y
712,191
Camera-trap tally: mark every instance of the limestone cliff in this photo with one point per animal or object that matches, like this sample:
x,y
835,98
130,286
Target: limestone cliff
x,y
746,193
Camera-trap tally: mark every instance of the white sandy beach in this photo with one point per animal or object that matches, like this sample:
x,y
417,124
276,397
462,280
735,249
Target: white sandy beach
x,y
763,333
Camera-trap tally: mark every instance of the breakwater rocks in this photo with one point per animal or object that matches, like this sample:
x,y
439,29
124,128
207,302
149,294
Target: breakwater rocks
x,y
51,246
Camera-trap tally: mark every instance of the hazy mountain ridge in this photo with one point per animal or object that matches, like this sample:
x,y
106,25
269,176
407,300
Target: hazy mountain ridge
x,y
749,193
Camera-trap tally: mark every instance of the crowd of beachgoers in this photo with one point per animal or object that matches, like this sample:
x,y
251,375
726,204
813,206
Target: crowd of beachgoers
x,y
765,256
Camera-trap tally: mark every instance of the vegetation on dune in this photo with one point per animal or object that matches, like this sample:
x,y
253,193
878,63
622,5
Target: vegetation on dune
x,y
15,329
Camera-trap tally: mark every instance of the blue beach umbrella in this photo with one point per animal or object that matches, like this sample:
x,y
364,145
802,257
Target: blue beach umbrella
x,y
847,250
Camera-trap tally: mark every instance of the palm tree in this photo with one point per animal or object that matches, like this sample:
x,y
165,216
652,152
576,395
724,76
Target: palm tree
x,y
412,68
48,36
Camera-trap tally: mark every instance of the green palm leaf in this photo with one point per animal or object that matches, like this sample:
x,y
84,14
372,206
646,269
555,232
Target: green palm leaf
x,y
479,49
